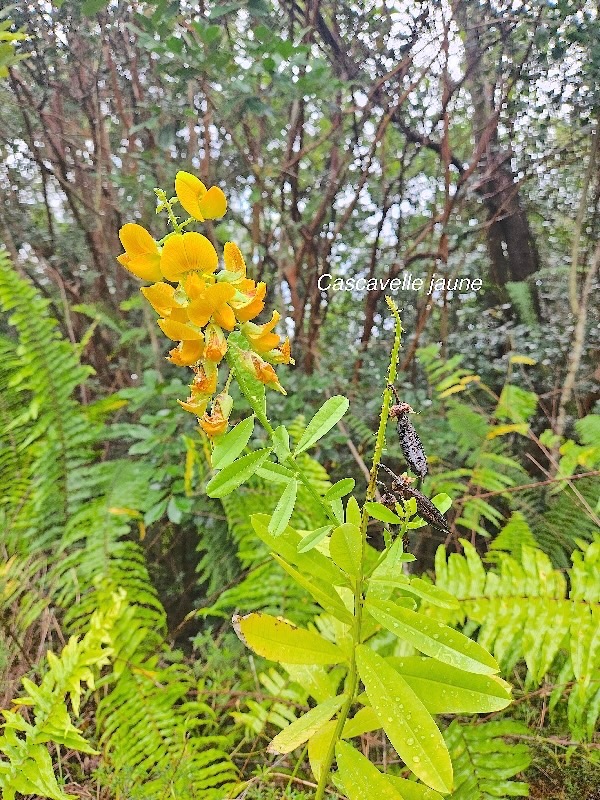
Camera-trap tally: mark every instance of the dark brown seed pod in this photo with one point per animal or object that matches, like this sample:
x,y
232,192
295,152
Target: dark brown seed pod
x,y
402,488
412,447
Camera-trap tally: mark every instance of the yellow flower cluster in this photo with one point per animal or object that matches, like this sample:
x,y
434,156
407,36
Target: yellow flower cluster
x,y
205,302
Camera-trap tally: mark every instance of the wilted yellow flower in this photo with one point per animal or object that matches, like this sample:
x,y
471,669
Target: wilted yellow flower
x,y
205,379
215,345
187,252
261,370
141,256
282,355
215,423
199,202
261,337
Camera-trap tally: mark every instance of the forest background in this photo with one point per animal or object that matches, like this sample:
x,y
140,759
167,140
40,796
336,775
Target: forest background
x,y
374,140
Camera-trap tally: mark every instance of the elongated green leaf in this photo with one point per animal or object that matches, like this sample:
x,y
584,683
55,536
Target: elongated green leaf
x,y
324,594
411,790
312,563
362,780
283,642
231,445
275,473
318,747
384,514
312,539
345,548
407,723
323,421
447,690
237,473
433,594
281,443
284,509
353,515
340,489
433,638
306,726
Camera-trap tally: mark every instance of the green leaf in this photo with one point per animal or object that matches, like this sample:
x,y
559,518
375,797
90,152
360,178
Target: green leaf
x,y
345,548
364,721
237,473
323,421
284,509
433,594
433,638
306,726
228,447
353,515
312,562
411,790
274,473
384,514
407,723
340,489
281,443
447,690
312,539
283,642
324,594
442,502
362,780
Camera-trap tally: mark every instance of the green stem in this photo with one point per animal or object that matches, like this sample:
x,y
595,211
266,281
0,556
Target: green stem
x,y
352,680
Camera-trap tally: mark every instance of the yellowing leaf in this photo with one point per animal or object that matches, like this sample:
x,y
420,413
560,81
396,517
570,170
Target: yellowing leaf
x,y
407,723
458,387
280,641
306,726
522,360
501,430
318,747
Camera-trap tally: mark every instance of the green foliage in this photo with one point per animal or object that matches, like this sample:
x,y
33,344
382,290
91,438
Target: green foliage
x,y
523,609
63,506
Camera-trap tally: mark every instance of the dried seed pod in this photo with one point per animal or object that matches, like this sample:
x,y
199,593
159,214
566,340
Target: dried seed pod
x,y
411,445
403,489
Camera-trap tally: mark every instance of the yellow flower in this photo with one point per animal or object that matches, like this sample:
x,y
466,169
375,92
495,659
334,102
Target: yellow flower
x,y
179,331
199,202
215,423
211,303
261,370
249,300
194,405
141,256
235,266
261,337
187,252
215,345
186,353
161,297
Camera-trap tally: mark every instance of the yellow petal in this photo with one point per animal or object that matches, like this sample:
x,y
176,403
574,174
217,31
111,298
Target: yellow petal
x,y
262,344
190,190
214,203
225,318
234,260
160,297
194,286
136,240
145,266
197,407
178,331
186,253
245,311
187,353
213,297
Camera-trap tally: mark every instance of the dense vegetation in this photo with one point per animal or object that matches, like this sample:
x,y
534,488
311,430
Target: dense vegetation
x,y
370,142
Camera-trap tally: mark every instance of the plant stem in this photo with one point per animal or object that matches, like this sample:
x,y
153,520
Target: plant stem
x,y
352,680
